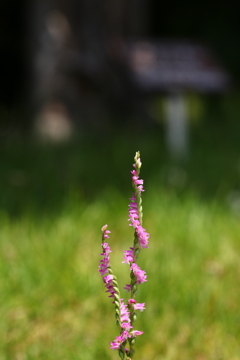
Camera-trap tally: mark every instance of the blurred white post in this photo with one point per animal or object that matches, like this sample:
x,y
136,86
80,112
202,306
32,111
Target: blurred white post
x,y
177,131
50,37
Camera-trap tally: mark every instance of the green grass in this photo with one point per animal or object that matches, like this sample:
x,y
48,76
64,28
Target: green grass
x,y
54,200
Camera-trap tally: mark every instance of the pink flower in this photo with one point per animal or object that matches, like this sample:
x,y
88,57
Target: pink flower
x,y
136,306
104,263
139,306
128,256
140,274
128,287
132,301
124,312
140,188
136,180
119,340
126,326
133,212
138,183
125,335
143,236
136,332
106,248
109,284
115,344
108,279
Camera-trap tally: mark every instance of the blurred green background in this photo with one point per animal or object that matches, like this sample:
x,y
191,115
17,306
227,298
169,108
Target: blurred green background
x,y
56,197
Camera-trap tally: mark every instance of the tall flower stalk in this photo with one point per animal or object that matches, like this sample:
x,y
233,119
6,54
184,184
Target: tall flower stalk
x,y
126,313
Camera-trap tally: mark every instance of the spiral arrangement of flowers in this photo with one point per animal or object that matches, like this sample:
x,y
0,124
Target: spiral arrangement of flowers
x,y
126,313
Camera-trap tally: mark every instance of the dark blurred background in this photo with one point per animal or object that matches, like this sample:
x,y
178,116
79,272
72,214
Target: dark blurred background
x,y
66,75
66,57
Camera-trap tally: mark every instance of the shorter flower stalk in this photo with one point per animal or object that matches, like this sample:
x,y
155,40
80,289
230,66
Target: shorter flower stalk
x,y
109,279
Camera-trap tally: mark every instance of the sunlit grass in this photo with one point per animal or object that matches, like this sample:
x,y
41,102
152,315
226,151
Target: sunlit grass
x,y
53,302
